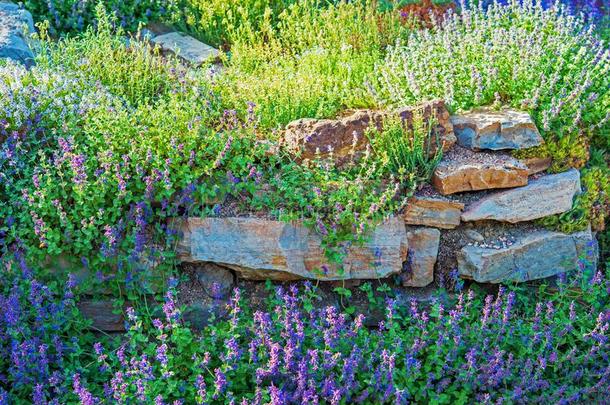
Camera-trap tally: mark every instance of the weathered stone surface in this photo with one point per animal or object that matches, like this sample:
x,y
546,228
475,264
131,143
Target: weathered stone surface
x,y
217,281
203,313
101,315
186,47
463,170
14,24
259,249
423,251
443,129
345,140
537,164
496,130
542,197
434,212
536,255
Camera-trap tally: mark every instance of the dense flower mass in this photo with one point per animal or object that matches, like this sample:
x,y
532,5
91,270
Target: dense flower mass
x,y
539,60
459,347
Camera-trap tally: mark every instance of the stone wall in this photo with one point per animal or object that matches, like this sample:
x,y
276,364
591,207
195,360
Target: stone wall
x,y
476,216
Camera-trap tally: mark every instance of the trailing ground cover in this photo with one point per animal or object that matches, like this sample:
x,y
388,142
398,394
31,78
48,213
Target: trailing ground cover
x,y
463,347
104,141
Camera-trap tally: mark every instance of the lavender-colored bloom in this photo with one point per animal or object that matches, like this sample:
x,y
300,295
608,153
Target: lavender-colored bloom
x,y
220,382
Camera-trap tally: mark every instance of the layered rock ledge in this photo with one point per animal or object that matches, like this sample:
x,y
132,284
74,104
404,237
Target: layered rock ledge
x,y
260,249
542,197
344,140
496,130
534,256
463,170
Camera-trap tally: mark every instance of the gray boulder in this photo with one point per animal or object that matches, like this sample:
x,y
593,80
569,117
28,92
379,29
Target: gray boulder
x,y
496,130
536,255
260,249
542,197
15,24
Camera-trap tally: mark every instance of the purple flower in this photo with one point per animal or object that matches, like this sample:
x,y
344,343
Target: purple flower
x,y
83,394
220,382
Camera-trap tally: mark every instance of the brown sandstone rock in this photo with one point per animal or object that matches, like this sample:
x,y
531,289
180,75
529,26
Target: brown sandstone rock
x,y
434,212
423,251
463,170
345,140
442,128
537,164
261,249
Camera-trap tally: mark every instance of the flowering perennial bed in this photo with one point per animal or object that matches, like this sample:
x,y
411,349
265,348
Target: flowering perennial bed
x,y
106,141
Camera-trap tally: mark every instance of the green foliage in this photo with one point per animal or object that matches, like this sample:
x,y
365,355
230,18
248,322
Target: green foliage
x,y
71,16
133,71
406,151
108,142
590,207
311,63
218,22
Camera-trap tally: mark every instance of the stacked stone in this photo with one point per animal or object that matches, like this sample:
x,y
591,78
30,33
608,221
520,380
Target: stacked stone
x,y
466,201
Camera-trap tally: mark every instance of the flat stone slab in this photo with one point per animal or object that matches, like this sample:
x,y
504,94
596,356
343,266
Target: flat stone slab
x,y
423,251
542,197
496,130
537,255
260,249
435,212
14,23
186,47
464,170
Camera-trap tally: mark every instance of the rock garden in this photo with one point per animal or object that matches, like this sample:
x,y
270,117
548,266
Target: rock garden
x,y
304,202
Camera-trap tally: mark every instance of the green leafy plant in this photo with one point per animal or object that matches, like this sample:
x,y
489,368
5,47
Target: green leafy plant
x,y
591,207
413,152
311,63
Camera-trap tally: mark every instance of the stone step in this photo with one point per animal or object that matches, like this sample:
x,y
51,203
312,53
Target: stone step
x,y
15,24
345,140
434,212
542,197
186,47
496,130
259,249
535,255
464,170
